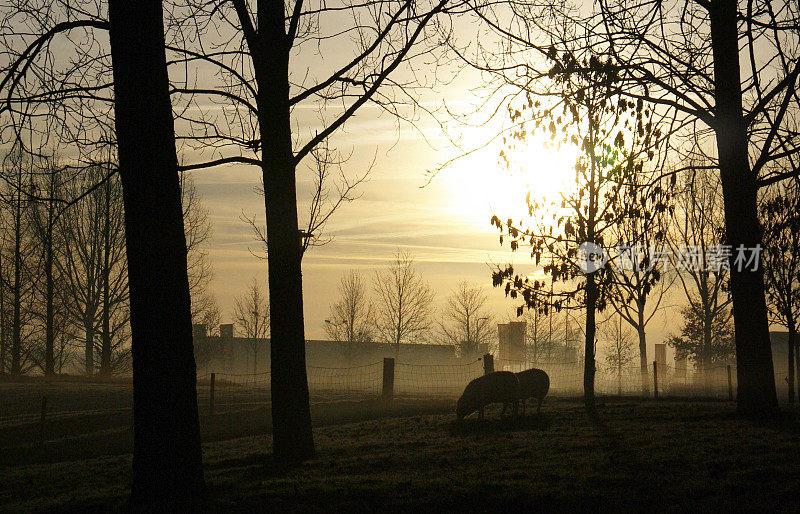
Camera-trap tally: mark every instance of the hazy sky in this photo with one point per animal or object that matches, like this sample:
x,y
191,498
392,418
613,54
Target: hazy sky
x,y
445,224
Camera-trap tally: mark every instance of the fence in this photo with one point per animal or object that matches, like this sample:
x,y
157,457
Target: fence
x,y
566,379
435,379
387,379
222,392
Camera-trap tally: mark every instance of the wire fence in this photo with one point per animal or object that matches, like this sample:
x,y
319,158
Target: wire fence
x,y
566,379
365,379
20,403
435,379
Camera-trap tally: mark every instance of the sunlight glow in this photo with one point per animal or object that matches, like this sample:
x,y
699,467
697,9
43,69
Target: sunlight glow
x,y
483,185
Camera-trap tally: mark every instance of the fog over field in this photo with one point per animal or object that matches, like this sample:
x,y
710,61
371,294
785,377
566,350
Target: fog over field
x,y
429,255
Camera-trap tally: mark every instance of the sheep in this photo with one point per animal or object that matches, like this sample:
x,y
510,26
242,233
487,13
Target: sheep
x,y
533,383
496,387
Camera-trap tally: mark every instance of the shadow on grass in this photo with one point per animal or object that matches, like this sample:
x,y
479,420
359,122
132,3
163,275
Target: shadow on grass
x,y
522,423
784,421
258,465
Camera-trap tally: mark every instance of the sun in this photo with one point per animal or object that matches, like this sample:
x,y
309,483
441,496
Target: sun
x,y
484,184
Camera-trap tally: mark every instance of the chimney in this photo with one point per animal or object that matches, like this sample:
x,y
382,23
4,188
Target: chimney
x,y
198,331
226,331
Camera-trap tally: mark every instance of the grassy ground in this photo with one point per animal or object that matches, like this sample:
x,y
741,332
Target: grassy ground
x,y
644,455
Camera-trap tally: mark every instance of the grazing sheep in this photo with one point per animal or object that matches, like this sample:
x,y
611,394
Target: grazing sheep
x,y
496,387
533,383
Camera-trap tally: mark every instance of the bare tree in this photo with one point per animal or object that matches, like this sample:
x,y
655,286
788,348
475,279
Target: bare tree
x,y
466,322
268,59
114,291
351,316
619,350
93,263
251,313
543,332
51,310
403,300
198,230
19,275
781,222
698,253
640,279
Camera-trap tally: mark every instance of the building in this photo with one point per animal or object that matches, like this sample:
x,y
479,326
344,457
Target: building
x,y
228,353
511,339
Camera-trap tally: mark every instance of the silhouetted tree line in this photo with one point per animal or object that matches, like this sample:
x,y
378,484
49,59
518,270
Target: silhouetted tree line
x,y
64,296
398,309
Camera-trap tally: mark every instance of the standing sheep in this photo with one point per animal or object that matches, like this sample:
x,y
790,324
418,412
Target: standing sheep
x,y
533,383
496,387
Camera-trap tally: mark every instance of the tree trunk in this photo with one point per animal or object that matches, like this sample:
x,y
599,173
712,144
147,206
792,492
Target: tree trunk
x,y
49,342
291,416
791,349
756,390
16,327
705,354
644,369
2,319
88,350
167,458
105,336
588,363
796,357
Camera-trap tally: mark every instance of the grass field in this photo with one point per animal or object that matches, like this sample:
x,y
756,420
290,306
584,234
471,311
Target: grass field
x,y
644,455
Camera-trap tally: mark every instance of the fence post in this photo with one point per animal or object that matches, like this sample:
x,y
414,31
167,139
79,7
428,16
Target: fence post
x,y
730,384
655,380
41,421
488,363
211,397
388,379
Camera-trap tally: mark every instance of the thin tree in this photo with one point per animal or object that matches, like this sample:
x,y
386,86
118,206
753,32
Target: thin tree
x,y
93,264
640,279
782,264
251,314
50,241
569,235
114,293
351,317
698,254
199,230
619,350
466,323
543,333
403,301
20,260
